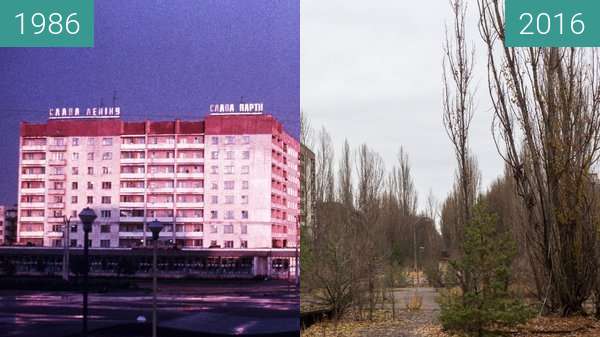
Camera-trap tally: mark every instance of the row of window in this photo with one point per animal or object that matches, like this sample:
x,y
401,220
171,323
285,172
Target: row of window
x,y
229,215
230,155
124,243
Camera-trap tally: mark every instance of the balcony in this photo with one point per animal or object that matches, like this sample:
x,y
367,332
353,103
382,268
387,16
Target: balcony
x,y
36,234
161,161
135,175
55,235
131,234
28,205
30,176
33,162
190,218
132,204
168,205
161,190
161,146
190,145
34,148
38,191
133,146
56,205
131,219
60,177
58,162
190,205
57,148
56,191
184,175
161,175
189,234
190,160
133,160
125,190
56,220
32,219
193,190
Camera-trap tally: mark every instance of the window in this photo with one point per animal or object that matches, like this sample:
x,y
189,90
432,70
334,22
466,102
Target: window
x,y
107,141
75,141
229,169
75,171
213,229
243,244
228,229
214,169
214,214
244,199
75,155
228,244
229,140
106,200
74,185
105,170
244,214
107,156
244,229
74,214
229,215
229,155
90,156
91,141
90,185
245,185
246,139
74,199
214,155
245,169
105,228
105,214
73,243
229,184
213,243
246,155
106,185
105,243
214,199
90,171
229,199
214,140
90,200
214,186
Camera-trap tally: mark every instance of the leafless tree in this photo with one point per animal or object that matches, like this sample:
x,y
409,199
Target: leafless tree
x,y
547,128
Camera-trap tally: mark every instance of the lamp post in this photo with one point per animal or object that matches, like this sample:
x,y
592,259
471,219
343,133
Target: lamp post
x,y
66,231
87,217
155,226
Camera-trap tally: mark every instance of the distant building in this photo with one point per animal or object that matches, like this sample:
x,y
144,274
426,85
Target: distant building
x,y
10,225
307,187
2,225
230,181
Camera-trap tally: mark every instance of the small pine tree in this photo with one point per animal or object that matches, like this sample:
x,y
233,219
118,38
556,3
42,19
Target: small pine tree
x,y
483,272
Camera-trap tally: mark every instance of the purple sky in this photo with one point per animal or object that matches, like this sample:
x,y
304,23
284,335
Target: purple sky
x,y
165,59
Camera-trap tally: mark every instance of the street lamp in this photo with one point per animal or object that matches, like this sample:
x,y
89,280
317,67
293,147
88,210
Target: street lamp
x,y
87,217
155,226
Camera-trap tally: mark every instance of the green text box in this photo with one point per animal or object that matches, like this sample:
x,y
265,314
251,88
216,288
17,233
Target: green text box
x,y
537,23
46,23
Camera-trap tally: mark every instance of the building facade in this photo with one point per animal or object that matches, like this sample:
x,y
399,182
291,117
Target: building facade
x,y
230,181
2,225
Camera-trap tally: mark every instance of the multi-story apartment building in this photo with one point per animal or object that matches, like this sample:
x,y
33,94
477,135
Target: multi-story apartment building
x,y
10,225
230,181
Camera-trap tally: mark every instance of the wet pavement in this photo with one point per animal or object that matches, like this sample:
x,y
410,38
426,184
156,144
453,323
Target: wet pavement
x,y
220,307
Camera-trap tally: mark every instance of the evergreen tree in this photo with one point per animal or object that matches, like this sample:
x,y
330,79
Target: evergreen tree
x,y
483,271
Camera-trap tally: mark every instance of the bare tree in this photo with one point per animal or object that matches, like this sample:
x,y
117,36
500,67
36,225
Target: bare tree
x,y
324,180
402,185
546,104
458,108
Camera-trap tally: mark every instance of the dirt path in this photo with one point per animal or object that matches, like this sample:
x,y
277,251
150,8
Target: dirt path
x,y
407,321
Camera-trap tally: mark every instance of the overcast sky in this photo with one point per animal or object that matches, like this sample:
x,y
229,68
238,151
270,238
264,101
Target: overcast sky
x,y
371,73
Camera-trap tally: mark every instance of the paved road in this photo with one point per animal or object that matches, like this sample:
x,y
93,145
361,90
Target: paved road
x,y
239,307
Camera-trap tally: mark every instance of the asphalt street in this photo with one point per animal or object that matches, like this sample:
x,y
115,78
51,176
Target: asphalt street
x,y
218,307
